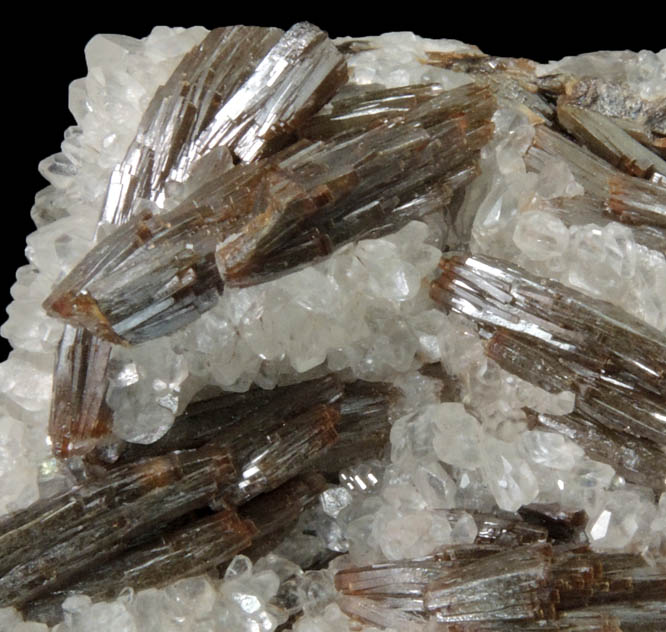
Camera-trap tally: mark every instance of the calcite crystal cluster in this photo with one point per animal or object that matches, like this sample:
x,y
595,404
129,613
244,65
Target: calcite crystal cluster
x,y
331,335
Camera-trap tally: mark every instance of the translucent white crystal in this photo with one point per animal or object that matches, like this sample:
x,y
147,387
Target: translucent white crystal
x,y
464,530
621,519
394,59
239,568
456,439
435,486
332,620
334,500
107,104
362,477
26,379
404,536
144,390
18,479
365,310
508,475
556,180
316,591
608,258
192,595
550,450
540,235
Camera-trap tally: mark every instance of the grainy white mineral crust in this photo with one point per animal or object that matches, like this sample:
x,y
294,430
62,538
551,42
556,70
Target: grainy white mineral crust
x,y
366,310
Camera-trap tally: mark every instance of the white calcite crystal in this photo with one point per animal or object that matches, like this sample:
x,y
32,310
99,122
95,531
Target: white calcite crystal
x,y
456,454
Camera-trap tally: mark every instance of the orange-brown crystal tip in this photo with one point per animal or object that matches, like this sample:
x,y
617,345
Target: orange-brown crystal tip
x,y
447,266
81,310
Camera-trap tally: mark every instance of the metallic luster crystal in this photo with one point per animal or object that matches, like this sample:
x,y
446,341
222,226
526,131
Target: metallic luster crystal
x,y
531,587
513,80
79,415
158,273
232,417
241,93
561,339
521,82
608,140
67,535
357,108
642,118
182,108
237,175
199,546
244,89
630,200
222,453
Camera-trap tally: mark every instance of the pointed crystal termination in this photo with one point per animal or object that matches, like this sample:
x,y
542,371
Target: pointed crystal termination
x,y
158,273
85,532
561,339
242,90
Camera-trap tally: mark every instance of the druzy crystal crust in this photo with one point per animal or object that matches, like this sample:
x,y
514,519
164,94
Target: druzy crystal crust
x,y
331,335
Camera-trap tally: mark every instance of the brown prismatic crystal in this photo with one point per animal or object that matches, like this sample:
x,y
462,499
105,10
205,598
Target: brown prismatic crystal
x,y
561,339
215,106
158,273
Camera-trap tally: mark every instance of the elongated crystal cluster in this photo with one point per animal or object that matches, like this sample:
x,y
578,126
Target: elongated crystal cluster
x,y
532,587
242,447
631,200
562,340
357,334
158,273
238,94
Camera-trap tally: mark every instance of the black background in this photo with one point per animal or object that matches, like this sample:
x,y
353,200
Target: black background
x,y
46,53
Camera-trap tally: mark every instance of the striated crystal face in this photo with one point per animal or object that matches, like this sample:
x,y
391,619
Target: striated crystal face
x,y
333,335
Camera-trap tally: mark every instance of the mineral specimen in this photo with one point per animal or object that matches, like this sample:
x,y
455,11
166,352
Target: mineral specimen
x,y
246,448
158,273
192,549
532,587
270,409
562,340
238,94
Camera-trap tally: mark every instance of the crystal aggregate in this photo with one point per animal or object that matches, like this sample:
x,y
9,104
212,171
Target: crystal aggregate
x,y
371,331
